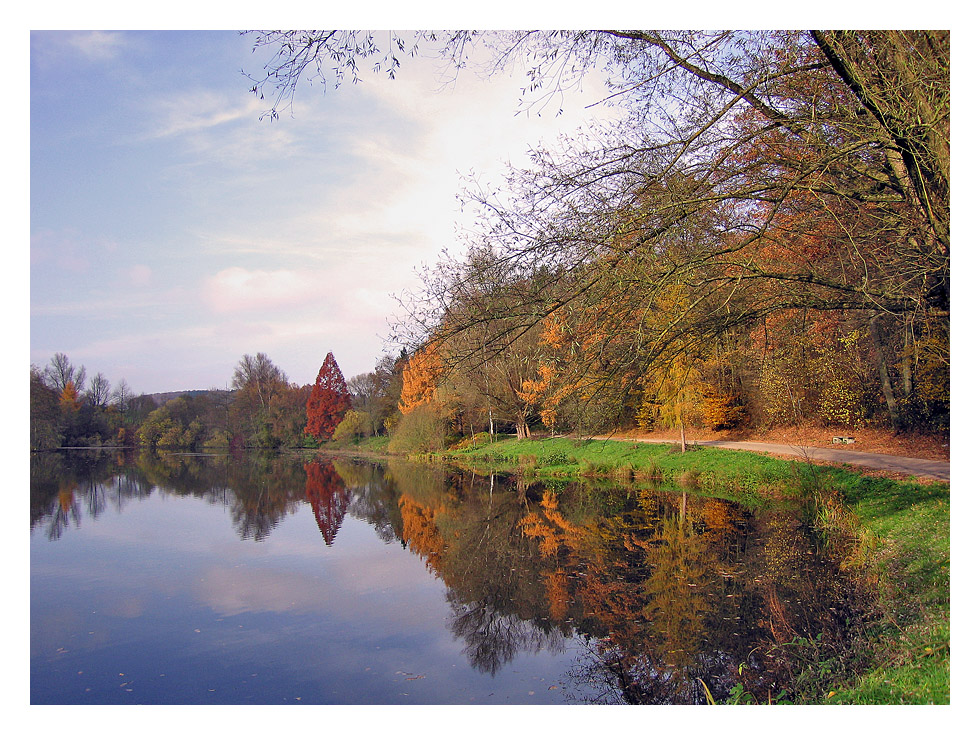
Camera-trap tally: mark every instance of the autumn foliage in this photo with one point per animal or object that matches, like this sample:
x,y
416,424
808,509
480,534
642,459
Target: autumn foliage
x,y
420,379
329,400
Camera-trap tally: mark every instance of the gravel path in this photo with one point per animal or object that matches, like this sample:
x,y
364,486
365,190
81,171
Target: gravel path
x,y
924,468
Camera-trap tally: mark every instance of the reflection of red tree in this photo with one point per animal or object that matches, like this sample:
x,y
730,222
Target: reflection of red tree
x,y
328,497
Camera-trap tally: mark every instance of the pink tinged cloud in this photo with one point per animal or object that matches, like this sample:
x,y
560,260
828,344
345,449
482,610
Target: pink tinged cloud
x,y
236,289
139,275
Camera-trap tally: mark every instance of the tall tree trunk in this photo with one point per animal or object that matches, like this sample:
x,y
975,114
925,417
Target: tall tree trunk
x,y
886,381
907,362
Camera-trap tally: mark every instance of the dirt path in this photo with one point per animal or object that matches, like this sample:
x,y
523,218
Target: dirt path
x,y
922,468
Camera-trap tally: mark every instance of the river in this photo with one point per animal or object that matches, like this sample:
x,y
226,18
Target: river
x,y
291,579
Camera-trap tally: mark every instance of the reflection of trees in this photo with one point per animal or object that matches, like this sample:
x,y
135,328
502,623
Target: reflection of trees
x,y
420,531
328,497
802,596
67,486
263,490
492,640
373,500
677,606
666,588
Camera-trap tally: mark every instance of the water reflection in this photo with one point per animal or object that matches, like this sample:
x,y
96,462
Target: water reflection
x,y
668,592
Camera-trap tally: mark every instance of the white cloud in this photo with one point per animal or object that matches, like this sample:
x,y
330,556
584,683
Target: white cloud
x,y
195,111
99,45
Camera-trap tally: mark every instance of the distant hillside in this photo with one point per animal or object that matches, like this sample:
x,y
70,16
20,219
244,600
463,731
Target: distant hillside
x,y
162,398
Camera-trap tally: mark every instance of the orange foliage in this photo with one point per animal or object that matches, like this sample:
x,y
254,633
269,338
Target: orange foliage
x,y
552,530
556,587
420,378
420,531
553,331
69,397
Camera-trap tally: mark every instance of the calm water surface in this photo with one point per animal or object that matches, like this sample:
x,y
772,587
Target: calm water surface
x,y
178,579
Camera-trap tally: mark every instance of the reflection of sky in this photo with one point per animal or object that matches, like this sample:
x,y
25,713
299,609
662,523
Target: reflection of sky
x,y
164,603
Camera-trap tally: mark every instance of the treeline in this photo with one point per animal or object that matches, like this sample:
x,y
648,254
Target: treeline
x,y
263,410
762,237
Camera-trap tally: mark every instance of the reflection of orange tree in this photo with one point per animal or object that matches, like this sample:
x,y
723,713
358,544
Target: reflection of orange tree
x,y
328,497
66,511
552,531
420,531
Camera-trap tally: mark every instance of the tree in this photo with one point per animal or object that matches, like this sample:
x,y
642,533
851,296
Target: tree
x,y
329,400
60,372
46,421
99,390
69,399
788,171
259,376
122,396
420,378
257,381
378,393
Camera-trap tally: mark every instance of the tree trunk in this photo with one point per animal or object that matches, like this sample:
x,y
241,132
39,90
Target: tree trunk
x,y
523,431
886,381
683,438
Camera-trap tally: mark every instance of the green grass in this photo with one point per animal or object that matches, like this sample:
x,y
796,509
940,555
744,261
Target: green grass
x,y
723,473
900,532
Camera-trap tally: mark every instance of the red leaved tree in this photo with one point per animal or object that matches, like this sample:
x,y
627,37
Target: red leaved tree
x,y
328,401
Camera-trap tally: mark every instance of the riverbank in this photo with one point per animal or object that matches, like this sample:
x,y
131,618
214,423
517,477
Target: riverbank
x,y
898,530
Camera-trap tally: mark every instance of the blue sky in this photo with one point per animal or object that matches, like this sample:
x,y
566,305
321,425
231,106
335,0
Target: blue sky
x,y
173,231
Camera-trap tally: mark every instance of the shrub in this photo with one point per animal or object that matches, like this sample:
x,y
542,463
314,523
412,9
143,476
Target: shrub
x,y
688,479
527,462
473,442
556,458
650,473
353,426
218,440
419,430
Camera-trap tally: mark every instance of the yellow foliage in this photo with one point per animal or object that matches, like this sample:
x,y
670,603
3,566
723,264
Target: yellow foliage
x,y
720,410
672,394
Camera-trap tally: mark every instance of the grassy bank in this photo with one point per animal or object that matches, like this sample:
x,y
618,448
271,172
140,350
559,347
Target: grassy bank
x,y
898,532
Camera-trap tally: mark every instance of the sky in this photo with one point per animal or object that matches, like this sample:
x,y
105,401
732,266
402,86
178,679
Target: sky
x,y
172,230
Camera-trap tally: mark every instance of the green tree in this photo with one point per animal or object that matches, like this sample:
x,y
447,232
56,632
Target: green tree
x,y
46,422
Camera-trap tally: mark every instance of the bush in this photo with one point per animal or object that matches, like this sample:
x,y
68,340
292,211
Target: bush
x,y
689,479
420,430
353,426
472,442
218,439
557,458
